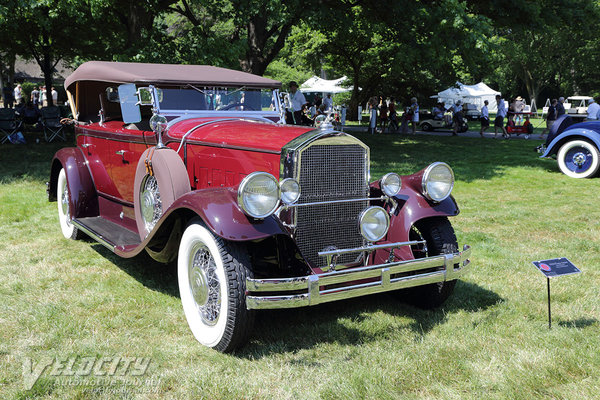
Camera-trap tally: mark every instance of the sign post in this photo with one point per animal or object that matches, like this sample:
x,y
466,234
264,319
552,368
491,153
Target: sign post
x,y
552,269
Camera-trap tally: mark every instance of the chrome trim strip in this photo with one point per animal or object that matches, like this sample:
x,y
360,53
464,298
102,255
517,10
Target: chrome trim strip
x,y
96,236
369,248
278,298
320,203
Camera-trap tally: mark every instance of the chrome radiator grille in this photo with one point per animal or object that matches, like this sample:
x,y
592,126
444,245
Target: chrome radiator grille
x,y
331,172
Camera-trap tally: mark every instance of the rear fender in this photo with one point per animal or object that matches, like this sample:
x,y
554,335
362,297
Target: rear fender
x,y
571,134
83,199
219,210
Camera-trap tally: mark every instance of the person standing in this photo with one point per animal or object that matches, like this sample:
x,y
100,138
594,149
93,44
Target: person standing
x,y
296,100
42,95
457,117
499,121
485,118
54,94
35,97
550,117
414,108
8,96
383,113
592,110
393,115
328,102
18,94
560,108
373,114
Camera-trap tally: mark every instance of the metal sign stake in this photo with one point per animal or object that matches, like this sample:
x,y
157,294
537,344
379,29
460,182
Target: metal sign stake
x,y
549,313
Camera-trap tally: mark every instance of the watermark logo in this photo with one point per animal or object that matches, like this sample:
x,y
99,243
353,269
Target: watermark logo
x,y
93,372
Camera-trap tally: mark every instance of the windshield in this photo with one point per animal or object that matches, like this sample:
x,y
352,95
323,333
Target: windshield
x,y
216,99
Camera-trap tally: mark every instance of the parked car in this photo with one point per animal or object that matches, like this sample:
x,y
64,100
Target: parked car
x,y
575,146
194,163
431,124
471,112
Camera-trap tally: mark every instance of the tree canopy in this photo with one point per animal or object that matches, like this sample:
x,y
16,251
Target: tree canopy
x,y
396,48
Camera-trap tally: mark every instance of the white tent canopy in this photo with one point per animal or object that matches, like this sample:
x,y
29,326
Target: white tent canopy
x,y
318,85
472,94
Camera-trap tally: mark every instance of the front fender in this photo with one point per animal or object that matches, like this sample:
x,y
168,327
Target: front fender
x,y
219,210
83,198
412,207
571,134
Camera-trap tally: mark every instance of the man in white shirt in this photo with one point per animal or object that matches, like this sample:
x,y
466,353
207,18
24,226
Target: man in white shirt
x,y
328,102
485,118
296,100
499,121
18,93
592,110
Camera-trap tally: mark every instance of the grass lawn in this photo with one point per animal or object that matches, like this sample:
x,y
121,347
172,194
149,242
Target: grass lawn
x,y
75,299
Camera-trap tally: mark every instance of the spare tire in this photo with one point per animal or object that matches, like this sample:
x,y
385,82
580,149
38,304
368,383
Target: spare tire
x,y
156,189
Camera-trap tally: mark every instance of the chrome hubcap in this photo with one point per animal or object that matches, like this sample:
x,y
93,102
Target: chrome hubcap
x,y
151,205
204,284
579,159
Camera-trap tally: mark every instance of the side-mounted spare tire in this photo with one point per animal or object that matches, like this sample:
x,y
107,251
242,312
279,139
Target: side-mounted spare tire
x,y
160,179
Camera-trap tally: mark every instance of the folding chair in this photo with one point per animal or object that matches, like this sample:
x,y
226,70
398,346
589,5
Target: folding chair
x,y
51,122
8,123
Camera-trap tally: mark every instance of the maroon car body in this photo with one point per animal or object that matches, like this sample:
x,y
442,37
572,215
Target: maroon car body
x,y
187,189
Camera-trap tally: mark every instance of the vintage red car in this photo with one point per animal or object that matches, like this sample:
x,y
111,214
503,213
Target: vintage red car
x,y
194,163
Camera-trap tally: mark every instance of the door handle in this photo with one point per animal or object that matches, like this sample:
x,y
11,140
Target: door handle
x,y
122,154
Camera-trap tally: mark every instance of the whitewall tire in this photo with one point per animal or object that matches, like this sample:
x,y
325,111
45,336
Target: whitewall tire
x,y
578,159
69,230
212,284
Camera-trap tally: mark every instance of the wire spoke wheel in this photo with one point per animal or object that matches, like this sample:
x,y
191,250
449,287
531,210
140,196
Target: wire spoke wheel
x,y
212,285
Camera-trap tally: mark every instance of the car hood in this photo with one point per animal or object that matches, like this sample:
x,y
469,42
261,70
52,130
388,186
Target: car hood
x,y
236,133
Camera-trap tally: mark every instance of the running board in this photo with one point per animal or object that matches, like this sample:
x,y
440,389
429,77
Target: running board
x,y
107,233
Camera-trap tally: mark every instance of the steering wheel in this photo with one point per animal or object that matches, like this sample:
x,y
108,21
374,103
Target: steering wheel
x,y
232,105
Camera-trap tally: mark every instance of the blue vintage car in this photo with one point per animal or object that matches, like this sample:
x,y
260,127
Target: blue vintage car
x,y
575,146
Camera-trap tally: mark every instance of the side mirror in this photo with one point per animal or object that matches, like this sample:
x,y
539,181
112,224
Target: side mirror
x,y
129,107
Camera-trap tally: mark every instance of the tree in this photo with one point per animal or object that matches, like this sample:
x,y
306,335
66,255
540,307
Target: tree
x,y
257,29
43,32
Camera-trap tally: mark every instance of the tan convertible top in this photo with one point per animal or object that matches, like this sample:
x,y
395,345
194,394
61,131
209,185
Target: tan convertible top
x,y
142,73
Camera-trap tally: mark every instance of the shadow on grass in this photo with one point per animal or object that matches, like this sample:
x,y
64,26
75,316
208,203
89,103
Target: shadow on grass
x,y
278,331
153,275
578,323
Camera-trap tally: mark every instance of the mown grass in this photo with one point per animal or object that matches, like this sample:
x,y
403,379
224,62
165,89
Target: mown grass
x,y
62,298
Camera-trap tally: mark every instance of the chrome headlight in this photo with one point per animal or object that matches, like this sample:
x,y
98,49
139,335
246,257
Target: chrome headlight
x,y
290,190
258,194
374,223
390,184
438,181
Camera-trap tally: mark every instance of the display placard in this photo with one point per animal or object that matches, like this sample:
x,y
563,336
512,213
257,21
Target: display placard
x,y
556,267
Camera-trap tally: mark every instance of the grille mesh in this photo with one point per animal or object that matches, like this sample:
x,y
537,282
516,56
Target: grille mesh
x,y
331,172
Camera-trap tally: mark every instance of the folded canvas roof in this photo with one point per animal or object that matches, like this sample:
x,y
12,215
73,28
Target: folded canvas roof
x,y
144,73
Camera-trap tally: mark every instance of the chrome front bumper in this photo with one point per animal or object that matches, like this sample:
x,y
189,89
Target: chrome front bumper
x,y
347,283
